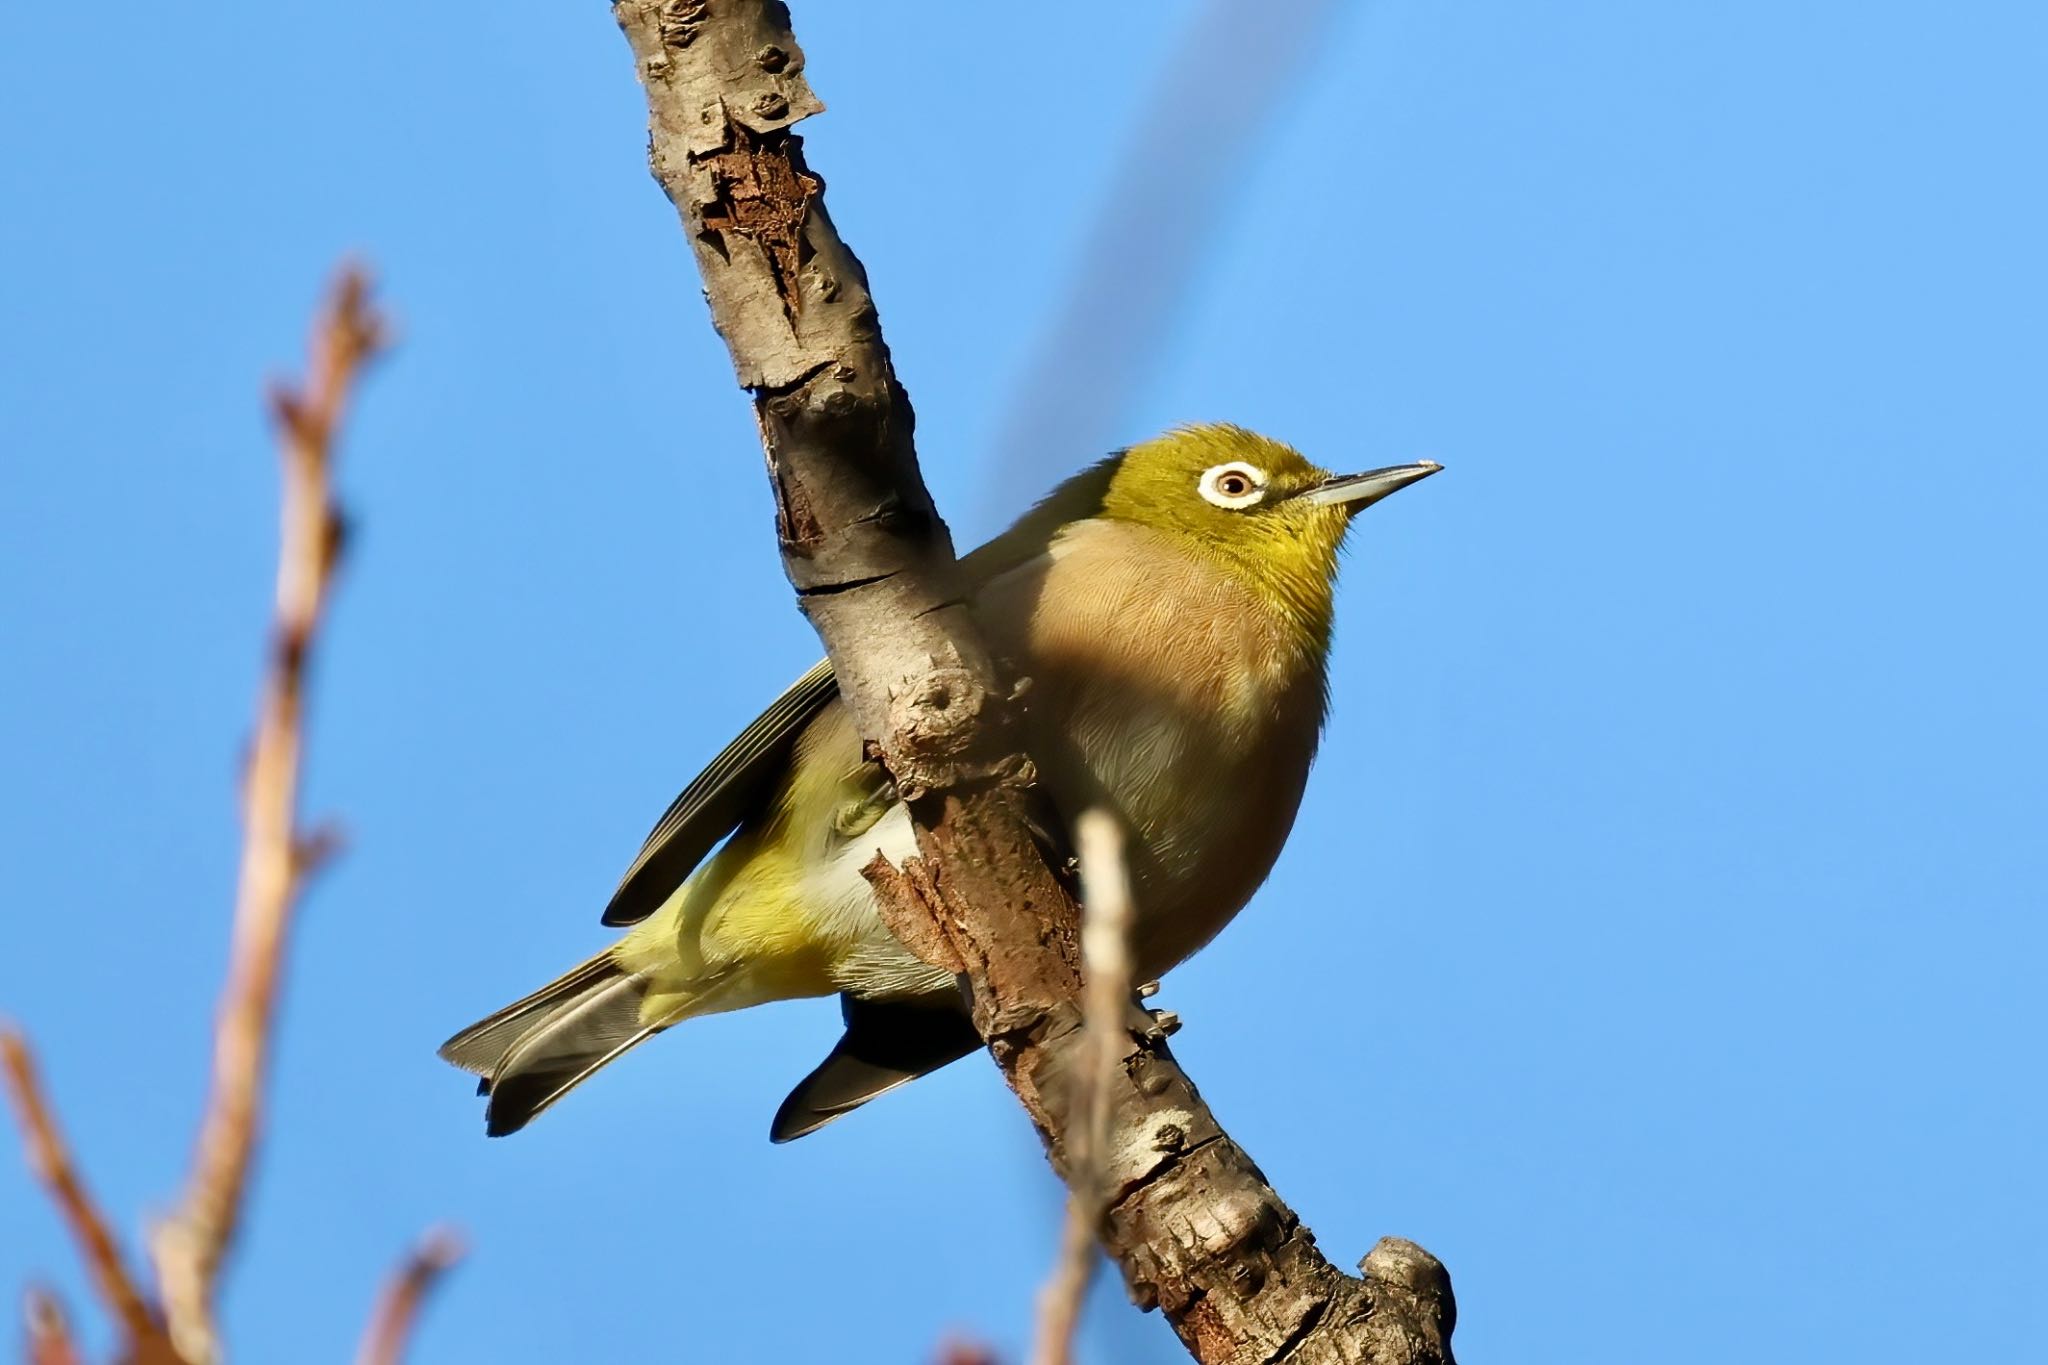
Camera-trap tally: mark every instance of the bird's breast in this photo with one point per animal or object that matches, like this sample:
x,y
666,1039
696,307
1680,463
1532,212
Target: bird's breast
x,y
1168,691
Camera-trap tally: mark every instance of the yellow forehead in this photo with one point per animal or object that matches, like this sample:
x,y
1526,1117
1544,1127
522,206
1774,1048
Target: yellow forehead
x,y
1165,470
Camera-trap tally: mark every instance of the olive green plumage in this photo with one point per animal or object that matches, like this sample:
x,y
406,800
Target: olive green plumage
x,y
1172,606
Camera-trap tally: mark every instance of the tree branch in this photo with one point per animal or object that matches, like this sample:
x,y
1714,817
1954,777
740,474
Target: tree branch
x,y
190,1245
1180,164
277,859
398,1309
47,1338
1197,1231
1106,959
49,1156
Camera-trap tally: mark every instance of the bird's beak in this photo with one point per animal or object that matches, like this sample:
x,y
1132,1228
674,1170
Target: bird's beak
x,y
1354,492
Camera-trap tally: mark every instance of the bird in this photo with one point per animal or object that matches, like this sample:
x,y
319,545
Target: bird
x,y
1172,608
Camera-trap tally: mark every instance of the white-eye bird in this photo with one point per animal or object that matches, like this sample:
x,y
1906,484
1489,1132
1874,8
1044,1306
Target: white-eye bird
x,y
1171,606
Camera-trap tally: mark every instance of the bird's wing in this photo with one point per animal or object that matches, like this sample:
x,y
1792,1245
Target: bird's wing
x,y
741,778
1077,499
738,781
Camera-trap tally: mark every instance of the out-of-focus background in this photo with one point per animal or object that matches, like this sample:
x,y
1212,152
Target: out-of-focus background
x,y
1661,941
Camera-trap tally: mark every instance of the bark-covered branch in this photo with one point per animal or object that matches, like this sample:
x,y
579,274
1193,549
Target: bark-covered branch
x,y
1196,1229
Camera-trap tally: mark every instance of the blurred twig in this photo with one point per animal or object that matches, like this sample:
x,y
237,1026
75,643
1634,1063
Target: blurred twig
x,y
391,1326
49,1156
1188,153
191,1244
966,1353
275,856
48,1330
1106,990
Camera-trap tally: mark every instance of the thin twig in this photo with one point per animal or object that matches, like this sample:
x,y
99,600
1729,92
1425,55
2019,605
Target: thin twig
x,y
49,1156
966,1353
190,1246
1169,196
391,1326
1105,992
48,1330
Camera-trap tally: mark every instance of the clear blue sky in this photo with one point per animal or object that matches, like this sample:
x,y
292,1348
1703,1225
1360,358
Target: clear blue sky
x,y
1661,942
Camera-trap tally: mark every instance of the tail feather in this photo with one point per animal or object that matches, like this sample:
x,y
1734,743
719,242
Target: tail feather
x,y
887,1043
536,1050
479,1048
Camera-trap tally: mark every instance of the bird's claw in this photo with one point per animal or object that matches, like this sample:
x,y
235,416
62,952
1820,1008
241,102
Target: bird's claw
x,y
1165,1023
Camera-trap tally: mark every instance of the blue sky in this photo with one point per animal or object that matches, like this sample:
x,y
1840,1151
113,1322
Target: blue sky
x,y
1661,940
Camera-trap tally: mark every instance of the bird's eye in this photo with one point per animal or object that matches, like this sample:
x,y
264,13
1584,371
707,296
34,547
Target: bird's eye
x,y
1233,486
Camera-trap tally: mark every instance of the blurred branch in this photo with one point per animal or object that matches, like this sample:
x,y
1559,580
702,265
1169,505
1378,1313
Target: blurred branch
x,y
391,1326
1182,165
1196,1229
966,1353
1106,989
190,1246
49,1156
48,1330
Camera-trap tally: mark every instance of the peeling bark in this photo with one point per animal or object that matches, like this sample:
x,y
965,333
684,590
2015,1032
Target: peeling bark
x,y
1195,1228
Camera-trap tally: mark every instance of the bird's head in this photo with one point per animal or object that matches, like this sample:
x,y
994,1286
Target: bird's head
x,y
1257,507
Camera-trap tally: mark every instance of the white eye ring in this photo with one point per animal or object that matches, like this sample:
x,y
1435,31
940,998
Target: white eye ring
x,y
1233,486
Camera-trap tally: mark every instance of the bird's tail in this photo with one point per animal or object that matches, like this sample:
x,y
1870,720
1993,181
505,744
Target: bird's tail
x,y
532,1052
